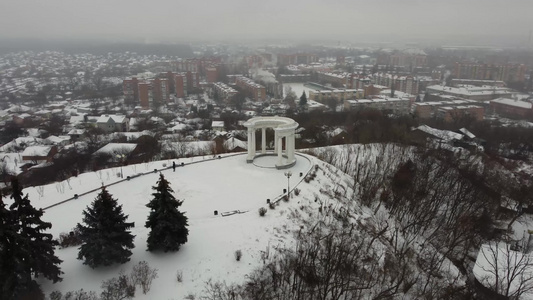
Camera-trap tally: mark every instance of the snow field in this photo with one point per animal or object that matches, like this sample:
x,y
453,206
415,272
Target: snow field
x,y
224,184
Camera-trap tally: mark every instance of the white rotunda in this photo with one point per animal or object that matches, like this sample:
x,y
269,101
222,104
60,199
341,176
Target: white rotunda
x,y
284,128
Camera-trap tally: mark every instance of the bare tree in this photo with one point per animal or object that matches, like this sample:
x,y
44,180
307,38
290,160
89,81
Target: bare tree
x,y
505,271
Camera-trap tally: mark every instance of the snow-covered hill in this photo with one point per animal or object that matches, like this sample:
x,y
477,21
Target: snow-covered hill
x,y
225,184
346,205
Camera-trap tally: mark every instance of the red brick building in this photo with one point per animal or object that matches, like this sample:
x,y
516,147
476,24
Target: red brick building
x,y
131,90
193,80
211,74
512,108
160,90
256,91
145,94
180,84
450,114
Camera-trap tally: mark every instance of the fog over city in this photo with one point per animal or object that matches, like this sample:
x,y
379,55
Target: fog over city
x,y
266,149
493,22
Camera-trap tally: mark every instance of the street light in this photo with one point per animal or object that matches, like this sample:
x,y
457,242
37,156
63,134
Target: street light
x,y
121,159
288,174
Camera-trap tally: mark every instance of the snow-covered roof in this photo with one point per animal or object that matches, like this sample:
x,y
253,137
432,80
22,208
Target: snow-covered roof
x,y
335,132
116,148
512,102
37,151
178,127
467,133
57,139
33,132
233,143
441,134
76,132
217,124
22,141
468,90
115,118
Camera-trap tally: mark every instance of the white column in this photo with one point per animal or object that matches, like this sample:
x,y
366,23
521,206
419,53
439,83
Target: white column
x,y
292,146
283,146
275,141
288,147
279,150
253,141
250,155
263,140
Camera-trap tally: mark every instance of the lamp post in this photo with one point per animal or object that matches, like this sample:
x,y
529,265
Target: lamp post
x,y
121,159
288,174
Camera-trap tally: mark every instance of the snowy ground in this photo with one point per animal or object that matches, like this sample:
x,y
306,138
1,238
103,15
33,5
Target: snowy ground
x,y
297,88
224,184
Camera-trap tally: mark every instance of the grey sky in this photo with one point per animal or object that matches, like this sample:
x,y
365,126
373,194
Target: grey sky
x,y
287,19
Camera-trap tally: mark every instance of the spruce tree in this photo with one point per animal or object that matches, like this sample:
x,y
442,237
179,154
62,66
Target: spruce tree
x,y
168,226
8,243
25,249
303,99
106,239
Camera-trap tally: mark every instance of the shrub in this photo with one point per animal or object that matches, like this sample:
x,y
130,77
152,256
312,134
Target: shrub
x,y
297,191
56,295
263,211
79,295
70,239
118,288
272,205
286,198
238,255
179,276
143,275
190,297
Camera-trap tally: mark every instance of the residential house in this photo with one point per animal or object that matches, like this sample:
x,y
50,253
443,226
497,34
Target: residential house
x,y
113,123
39,154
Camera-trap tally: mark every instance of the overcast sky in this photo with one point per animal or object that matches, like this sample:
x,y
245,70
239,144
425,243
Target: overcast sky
x,y
346,20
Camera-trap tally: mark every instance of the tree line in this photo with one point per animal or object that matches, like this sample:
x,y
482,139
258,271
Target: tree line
x,y
27,251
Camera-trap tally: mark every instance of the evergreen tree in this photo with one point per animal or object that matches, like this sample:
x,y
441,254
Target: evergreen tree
x,y
168,226
303,99
106,239
25,249
8,243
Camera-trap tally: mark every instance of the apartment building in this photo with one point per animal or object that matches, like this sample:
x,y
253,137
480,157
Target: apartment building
x,y
449,114
394,105
406,84
130,88
478,93
340,95
224,91
501,72
297,59
336,79
406,58
512,108
256,91
426,110
145,94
